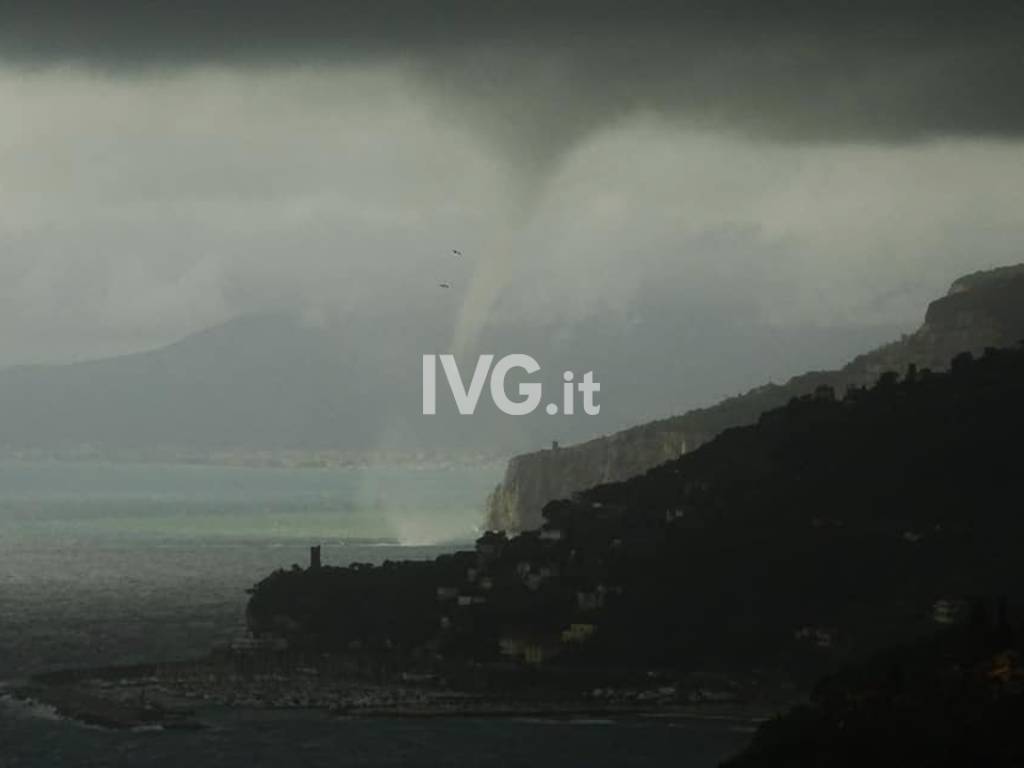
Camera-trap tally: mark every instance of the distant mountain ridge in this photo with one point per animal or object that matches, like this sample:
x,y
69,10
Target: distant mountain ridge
x,y
272,388
209,391
983,309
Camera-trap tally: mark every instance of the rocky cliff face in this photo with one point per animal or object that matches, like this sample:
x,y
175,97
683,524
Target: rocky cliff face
x,y
984,309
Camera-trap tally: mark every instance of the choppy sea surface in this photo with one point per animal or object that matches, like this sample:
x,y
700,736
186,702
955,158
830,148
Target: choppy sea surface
x,y
108,564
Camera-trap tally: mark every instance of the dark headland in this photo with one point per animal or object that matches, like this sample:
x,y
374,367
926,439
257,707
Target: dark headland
x,y
726,582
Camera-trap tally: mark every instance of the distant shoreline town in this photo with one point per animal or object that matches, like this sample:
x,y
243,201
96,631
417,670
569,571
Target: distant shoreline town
x,y
256,459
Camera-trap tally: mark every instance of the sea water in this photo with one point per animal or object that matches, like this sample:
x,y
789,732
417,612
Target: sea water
x,y
111,563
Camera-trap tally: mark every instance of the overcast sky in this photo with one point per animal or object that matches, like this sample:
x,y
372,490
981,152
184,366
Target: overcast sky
x,y
165,166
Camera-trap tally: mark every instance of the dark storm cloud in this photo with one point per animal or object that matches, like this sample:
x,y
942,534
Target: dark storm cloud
x,y
169,166
544,72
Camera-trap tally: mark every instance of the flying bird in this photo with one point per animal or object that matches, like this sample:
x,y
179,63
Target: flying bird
x,y
456,251
445,285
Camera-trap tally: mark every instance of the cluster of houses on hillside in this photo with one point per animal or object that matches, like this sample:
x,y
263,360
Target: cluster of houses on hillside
x,y
532,574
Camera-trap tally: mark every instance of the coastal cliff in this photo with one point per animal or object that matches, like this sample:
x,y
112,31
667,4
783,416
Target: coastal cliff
x,y
771,555
983,309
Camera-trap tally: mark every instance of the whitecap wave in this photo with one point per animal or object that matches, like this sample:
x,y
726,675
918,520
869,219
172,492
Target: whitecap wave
x,y
28,708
